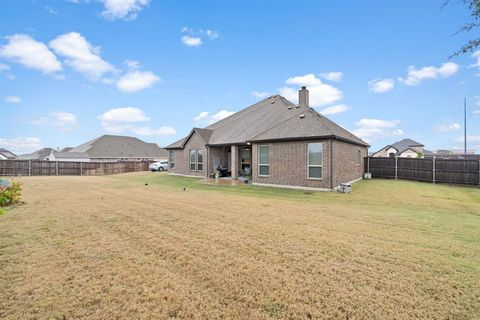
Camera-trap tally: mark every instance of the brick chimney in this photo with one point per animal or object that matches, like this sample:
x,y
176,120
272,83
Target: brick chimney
x,y
303,97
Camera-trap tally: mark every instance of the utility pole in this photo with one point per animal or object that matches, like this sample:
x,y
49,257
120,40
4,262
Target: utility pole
x,y
465,126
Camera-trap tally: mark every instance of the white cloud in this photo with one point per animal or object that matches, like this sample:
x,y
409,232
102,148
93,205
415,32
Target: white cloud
x,y
136,80
21,145
60,119
123,9
260,95
372,129
381,85
128,114
332,76
205,116
121,120
13,99
23,49
201,116
306,80
51,10
81,55
147,131
211,34
447,127
132,64
190,41
339,108
4,67
321,94
222,114
416,76
194,37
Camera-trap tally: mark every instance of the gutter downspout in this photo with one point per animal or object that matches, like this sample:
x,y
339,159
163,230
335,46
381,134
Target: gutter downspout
x,y
331,164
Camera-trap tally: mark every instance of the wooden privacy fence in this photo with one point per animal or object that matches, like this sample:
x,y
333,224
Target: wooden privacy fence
x,y
66,168
453,171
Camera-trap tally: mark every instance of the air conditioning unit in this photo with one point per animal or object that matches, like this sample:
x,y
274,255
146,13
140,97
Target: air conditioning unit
x,y
345,188
367,175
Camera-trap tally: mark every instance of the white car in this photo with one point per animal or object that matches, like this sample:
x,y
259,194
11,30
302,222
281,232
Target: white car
x,y
158,166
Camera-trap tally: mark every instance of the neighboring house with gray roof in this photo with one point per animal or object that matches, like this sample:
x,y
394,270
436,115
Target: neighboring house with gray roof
x,y
112,148
41,154
7,155
273,142
406,148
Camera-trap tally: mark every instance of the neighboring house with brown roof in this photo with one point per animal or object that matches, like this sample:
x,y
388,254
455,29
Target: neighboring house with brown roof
x,y
111,148
273,142
7,155
406,148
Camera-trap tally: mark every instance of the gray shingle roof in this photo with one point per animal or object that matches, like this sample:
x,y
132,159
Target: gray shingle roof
x,y
7,154
274,118
405,144
110,146
69,154
37,155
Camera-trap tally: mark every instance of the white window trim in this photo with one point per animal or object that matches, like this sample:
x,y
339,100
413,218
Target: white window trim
x,y
263,164
313,166
358,157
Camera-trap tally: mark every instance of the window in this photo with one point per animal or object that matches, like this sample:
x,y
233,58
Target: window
x,y
315,160
359,156
172,159
193,159
199,160
263,161
196,160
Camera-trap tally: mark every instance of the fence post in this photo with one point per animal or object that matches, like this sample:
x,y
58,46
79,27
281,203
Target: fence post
x,y
29,167
396,167
81,168
56,167
479,172
434,170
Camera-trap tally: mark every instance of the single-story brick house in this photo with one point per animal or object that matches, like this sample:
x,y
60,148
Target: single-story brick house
x,y
273,142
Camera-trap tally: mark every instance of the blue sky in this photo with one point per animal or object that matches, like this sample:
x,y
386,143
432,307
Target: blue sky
x,y
73,70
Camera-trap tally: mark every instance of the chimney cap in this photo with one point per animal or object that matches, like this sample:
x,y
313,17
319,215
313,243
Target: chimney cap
x,y
304,87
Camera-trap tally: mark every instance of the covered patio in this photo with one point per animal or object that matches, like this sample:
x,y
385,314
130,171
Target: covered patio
x,y
234,161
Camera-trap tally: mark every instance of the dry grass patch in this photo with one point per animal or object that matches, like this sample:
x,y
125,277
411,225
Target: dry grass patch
x,y
111,247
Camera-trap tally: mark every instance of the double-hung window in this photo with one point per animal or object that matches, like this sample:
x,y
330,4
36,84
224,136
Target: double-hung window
x,y
263,161
359,157
172,159
199,160
193,160
196,160
315,160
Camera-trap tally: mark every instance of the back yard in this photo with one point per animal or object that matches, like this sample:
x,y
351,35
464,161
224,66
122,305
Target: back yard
x,y
112,247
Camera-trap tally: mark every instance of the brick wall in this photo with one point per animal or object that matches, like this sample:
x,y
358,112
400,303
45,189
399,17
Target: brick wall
x,y
288,164
345,168
182,157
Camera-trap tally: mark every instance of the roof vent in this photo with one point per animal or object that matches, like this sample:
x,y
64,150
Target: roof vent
x,y
301,116
289,107
273,101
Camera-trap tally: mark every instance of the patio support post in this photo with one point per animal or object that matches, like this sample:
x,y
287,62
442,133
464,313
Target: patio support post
x,y
234,161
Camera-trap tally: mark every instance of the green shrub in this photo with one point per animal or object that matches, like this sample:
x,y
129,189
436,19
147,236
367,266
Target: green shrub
x,y
10,192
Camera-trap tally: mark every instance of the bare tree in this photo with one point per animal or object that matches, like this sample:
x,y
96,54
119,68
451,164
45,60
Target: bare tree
x,y
474,8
